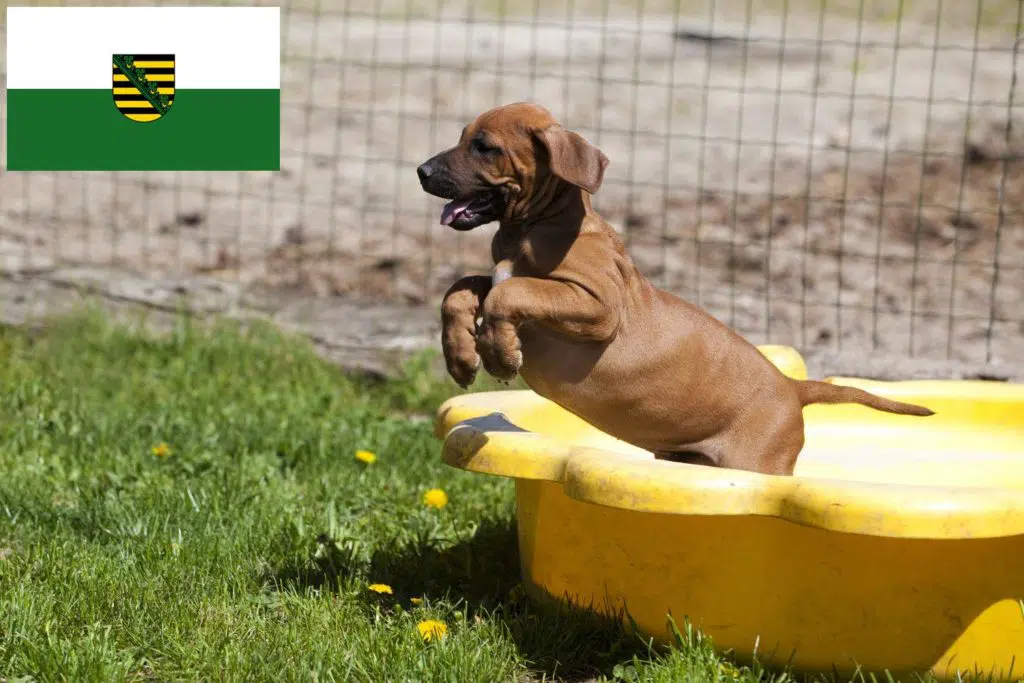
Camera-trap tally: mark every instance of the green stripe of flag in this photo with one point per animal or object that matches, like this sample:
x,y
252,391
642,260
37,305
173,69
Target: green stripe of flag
x,y
204,130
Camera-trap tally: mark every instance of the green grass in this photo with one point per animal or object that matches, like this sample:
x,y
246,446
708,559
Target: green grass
x,y
246,552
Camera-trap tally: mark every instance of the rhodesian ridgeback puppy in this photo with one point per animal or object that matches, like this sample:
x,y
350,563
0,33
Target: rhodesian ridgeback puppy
x,y
567,309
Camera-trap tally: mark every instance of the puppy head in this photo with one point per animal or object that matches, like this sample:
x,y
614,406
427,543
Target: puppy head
x,y
504,159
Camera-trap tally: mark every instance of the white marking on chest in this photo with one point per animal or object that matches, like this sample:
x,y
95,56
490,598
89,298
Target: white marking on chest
x,y
502,272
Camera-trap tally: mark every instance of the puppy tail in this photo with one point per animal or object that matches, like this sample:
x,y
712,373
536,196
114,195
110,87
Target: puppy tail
x,y
822,392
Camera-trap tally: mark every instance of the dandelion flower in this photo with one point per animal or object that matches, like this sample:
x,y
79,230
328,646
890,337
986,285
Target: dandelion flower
x,y
161,450
432,629
366,457
416,601
435,498
381,588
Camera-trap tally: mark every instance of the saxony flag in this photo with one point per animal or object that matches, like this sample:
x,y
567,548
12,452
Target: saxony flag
x,y
143,88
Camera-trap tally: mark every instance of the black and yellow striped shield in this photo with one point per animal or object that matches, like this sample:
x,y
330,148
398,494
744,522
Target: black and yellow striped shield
x,y
143,86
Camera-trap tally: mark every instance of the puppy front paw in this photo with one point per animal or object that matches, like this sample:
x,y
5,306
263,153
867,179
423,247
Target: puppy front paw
x,y
458,342
462,365
499,349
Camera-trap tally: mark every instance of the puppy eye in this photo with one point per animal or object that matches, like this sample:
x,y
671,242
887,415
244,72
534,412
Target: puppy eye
x,y
480,147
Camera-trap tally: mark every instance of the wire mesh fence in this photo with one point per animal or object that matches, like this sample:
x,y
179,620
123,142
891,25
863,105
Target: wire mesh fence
x,y
843,174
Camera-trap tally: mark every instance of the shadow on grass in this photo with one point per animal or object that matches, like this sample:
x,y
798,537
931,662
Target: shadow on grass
x,y
481,575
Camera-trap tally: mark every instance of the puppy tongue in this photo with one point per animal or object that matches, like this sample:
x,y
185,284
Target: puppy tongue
x,y
452,210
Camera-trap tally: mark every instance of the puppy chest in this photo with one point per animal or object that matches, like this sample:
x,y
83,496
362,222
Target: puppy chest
x,y
503,270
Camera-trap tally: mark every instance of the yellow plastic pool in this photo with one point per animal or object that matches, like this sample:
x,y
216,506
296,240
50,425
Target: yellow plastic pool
x,y
897,545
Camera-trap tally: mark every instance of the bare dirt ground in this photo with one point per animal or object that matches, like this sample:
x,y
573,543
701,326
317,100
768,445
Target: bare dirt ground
x,y
821,181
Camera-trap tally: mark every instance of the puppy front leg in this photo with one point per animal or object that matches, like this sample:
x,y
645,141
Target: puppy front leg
x,y
561,305
459,310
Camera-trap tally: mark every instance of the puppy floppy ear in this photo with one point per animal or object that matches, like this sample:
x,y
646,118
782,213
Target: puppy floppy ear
x,y
573,159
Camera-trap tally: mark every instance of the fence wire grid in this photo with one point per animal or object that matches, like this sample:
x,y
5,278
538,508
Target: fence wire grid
x,y
833,174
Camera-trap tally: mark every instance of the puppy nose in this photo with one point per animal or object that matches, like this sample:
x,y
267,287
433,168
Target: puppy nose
x,y
424,171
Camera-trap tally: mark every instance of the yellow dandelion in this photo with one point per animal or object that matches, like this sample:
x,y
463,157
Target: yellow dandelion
x,y
435,498
161,450
432,629
366,457
381,588
416,601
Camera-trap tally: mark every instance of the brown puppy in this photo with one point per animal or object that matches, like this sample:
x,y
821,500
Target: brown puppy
x,y
567,309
